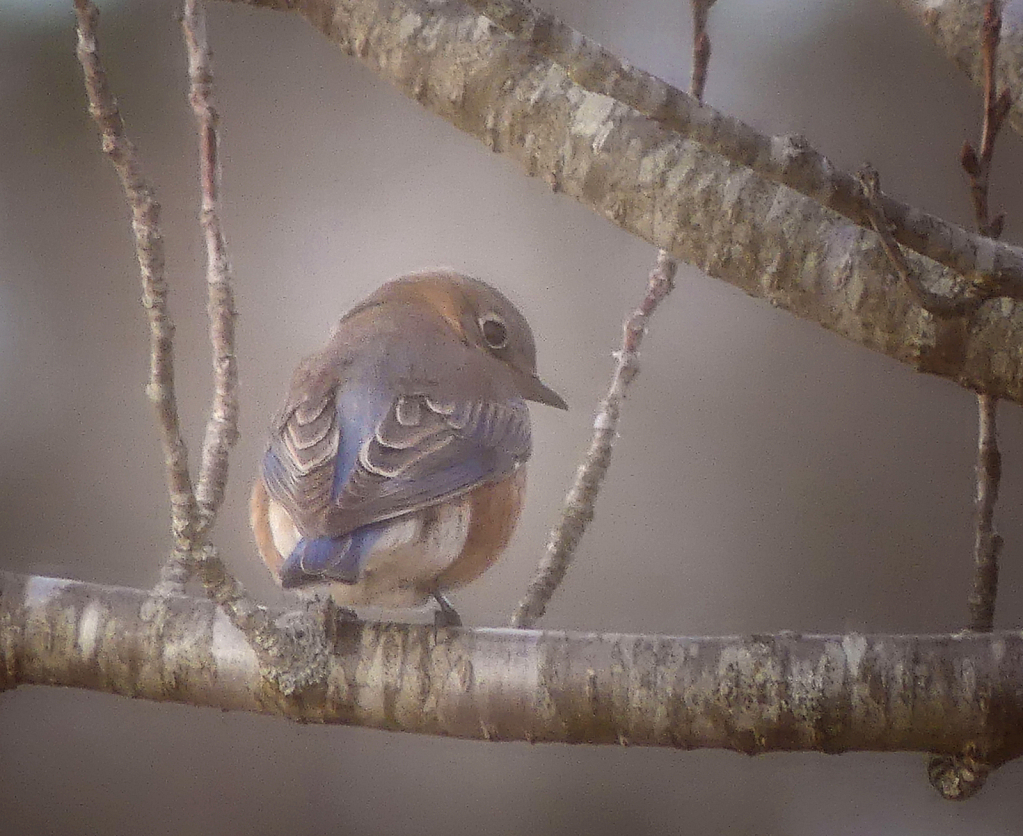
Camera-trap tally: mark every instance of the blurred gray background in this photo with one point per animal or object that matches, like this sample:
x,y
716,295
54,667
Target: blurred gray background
x,y
769,475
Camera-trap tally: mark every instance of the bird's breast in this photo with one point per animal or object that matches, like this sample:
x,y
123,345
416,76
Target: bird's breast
x,y
495,513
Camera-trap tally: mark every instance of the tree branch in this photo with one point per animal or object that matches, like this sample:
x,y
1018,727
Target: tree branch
x,y
674,193
749,694
787,160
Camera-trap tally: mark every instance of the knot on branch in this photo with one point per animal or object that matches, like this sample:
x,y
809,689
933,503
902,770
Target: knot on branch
x,y
296,651
957,777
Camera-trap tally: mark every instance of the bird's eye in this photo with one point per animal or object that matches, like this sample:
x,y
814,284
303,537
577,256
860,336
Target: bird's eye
x,y
495,332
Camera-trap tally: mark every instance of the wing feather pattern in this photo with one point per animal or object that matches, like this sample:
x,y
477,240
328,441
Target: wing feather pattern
x,y
422,452
300,462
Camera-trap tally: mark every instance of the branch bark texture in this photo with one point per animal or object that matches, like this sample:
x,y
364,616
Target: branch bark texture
x,y
674,192
788,160
750,694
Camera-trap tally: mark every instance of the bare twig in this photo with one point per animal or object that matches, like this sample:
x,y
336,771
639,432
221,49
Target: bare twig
x,y
963,775
934,303
987,544
150,252
701,48
577,512
996,107
190,519
222,427
578,508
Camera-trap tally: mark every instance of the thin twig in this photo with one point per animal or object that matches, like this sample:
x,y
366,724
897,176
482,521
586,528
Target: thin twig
x,y
996,108
222,427
962,775
701,48
578,509
577,512
933,303
987,544
188,527
150,252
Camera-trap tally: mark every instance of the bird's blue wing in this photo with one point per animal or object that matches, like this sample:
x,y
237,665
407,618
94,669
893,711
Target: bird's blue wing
x,y
343,460
426,450
299,463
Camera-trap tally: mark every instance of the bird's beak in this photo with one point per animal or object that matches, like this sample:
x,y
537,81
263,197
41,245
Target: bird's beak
x,y
534,389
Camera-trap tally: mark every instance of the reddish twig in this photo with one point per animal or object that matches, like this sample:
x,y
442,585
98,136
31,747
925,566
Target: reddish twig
x,y
222,427
996,108
701,48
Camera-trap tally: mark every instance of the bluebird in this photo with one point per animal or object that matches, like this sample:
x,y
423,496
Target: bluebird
x,y
396,470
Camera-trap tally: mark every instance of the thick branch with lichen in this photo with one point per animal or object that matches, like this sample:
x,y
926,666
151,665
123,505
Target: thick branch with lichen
x,y
671,191
788,160
750,694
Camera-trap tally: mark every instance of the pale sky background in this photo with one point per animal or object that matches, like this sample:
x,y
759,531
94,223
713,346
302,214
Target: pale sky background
x,y
769,474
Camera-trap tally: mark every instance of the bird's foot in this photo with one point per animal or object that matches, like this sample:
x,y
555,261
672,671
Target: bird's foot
x,y
447,615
